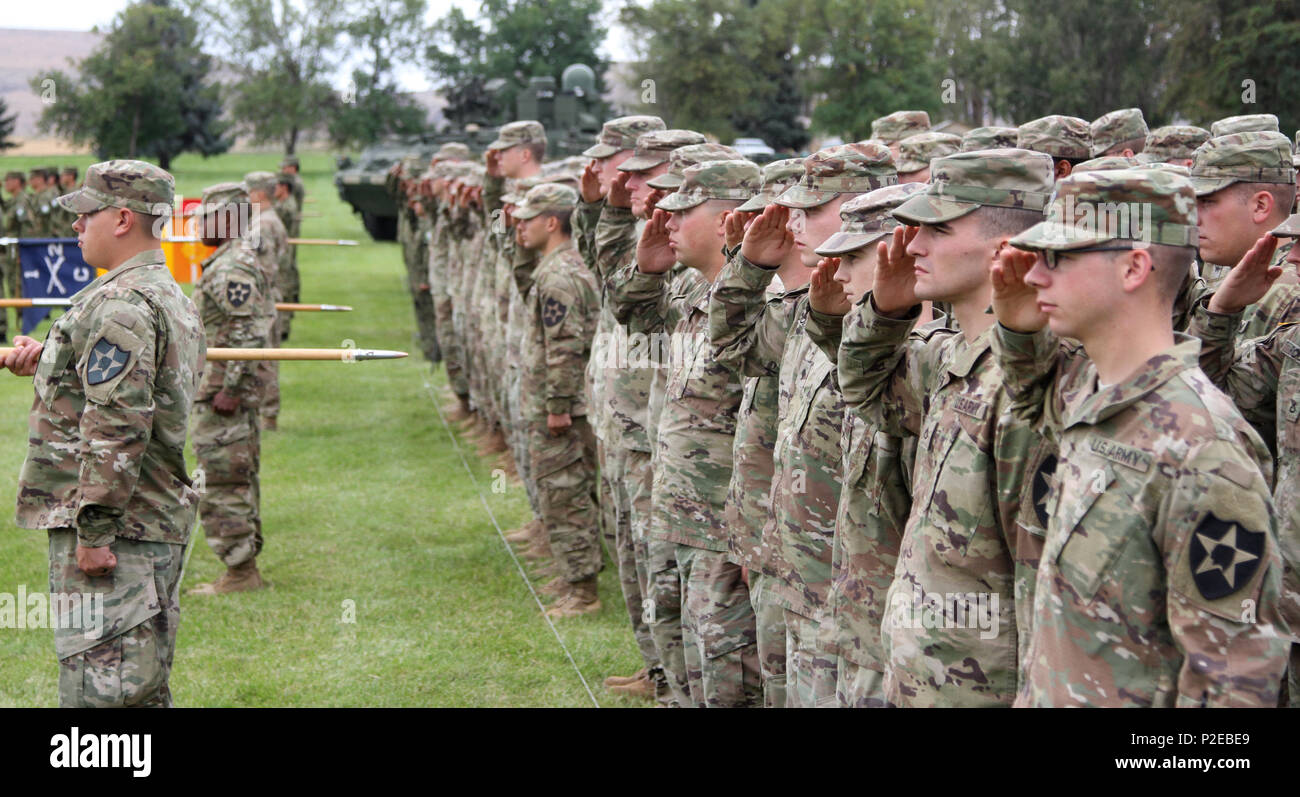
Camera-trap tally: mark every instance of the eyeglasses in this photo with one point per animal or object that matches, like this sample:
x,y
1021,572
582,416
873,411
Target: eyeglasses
x,y
1051,256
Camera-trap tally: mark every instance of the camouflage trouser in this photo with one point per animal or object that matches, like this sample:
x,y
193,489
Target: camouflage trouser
x,y
718,635
517,436
425,325
453,355
857,686
268,373
616,477
769,623
229,451
564,469
810,671
664,616
288,286
129,662
10,274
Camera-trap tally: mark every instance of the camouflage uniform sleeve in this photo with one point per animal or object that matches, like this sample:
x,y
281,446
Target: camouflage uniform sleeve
x,y
493,189
1249,372
585,218
565,341
747,330
639,300
523,262
243,328
827,331
615,240
117,375
883,370
1029,365
1230,632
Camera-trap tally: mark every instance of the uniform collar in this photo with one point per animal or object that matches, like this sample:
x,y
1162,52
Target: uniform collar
x,y
968,357
149,257
1096,406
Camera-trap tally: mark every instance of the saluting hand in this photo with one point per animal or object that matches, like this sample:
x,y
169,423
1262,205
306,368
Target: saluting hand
x,y
1249,280
652,200
735,225
767,241
894,287
492,161
1014,301
589,186
619,196
25,356
824,293
653,253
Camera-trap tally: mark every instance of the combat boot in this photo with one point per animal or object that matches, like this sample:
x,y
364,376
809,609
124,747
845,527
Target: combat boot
x,y
581,598
459,411
538,550
239,578
270,423
496,444
525,533
643,688
616,680
554,588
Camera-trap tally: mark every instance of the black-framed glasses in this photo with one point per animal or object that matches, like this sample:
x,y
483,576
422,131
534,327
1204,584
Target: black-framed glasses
x,y
1051,256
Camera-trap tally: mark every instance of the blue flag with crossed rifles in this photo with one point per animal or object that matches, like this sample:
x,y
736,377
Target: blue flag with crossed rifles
x,y
52,268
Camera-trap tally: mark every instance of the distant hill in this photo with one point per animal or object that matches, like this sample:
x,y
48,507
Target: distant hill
x,y
23,54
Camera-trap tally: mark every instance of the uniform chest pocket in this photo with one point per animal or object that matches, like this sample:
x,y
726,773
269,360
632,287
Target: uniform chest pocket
x,y
1288,400
50,369
957,500
1100,517
808,389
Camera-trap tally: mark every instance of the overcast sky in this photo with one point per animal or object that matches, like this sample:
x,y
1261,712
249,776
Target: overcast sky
x,y
85,14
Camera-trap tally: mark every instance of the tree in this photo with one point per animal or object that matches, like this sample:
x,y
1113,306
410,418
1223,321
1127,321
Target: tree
x,y
772,107
283,52
517,40
142,92
7,125
386,31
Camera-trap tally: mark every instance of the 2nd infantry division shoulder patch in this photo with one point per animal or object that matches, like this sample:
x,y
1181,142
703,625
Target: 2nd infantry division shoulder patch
x,y
1224,556
238,292
106,361
553,311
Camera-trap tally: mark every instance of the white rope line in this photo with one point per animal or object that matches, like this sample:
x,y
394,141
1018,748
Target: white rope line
x,y
502,535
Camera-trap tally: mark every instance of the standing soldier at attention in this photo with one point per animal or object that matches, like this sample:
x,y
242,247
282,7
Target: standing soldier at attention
x,y
17,210
270,241
43,205
105,471
231,297
562,305
289,166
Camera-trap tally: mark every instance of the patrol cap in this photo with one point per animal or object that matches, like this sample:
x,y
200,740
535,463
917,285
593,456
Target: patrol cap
x,y
135,185
568,169
15,175
684,157
867,218
219,196
1289,228
966,181
261,181
735,179
653,148
1176,168
1066,137
1155,206
546,198
898,125
1248,123
1172,141
289,160
452,151
844,169
516,189
916,152
1108,163
989,138
1117,127
1257,157
619,134
777,176
516,133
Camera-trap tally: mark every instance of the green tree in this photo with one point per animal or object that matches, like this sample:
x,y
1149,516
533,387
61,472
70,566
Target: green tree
x,y
383,32
282,52
142,92
7,125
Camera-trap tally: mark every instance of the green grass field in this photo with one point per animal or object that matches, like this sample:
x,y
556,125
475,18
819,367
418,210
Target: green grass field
x,y
364,499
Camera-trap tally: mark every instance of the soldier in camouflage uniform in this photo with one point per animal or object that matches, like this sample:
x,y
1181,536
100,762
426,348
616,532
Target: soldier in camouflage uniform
x,y
17,211
876,493
1249,123
232,301
1122,132
696,428
1172,144
562,306
271,246
989,138
441,246
749,493
1068,139
916,152
951,628
44,192
289,166
1161,578
893,128
115,381
764,338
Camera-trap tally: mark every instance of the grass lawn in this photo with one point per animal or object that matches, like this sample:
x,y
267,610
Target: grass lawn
x,y
364,500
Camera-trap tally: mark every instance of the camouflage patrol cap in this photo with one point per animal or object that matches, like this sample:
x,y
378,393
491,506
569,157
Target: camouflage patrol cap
x,y
1154,206
1176,168
777,176
15,175
1257,157
989,138
916,152
621,133
1248,123
684,157
289,160
261,181
216,197
517,189
845,169
1117,127
134,185
1289,228
1172,141
729,179
1108,163
654,148
899,125
1059,136
867,218
568,169
547,198
516,133
452,151
966,181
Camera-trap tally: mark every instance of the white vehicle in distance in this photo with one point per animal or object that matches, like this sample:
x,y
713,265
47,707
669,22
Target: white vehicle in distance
x,y
751,147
